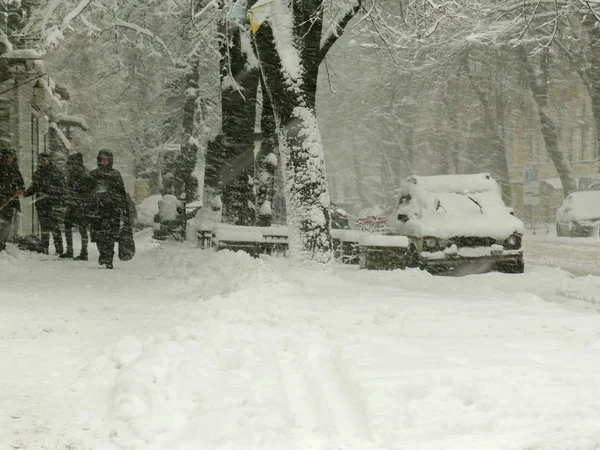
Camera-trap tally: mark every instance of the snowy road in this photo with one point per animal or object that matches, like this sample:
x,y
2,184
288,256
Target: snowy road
x,y
580,256
185,349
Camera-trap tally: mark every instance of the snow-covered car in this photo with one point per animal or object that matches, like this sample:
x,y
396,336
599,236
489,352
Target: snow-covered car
x,y
456,219
579,215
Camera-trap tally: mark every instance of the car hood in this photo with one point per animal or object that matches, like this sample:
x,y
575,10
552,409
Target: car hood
x,y
497,226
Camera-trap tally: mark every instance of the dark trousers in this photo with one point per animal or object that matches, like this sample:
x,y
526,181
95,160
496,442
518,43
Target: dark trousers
x,y
106,248
49,223
5,225
72,220
57,238
105,232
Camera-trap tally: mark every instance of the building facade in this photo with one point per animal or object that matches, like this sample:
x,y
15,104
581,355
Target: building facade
x,y
577,139
33,120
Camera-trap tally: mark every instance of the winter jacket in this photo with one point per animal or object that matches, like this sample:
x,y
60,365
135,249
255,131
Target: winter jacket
x,y
11,182
49,184
108,201
79,186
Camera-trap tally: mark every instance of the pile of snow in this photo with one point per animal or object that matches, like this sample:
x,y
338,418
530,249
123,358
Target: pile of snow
x,y
184,349
147,209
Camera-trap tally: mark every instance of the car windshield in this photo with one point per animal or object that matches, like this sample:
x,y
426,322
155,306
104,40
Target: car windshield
x,y
470,203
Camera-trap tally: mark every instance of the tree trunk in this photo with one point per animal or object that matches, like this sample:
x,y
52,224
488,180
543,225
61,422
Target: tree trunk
x,y
308,20
594,74
266,161
500,162
538,82
188,158
230,157
301,152
493,116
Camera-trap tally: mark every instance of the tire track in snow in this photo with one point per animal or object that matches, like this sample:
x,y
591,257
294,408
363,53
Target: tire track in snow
x,y
321,402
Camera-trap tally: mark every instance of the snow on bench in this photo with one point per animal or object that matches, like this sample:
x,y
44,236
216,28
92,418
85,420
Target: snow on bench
x,y
377,240
346,235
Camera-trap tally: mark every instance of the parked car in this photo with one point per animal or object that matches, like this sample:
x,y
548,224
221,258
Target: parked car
x,y
456,219
579,215
594,186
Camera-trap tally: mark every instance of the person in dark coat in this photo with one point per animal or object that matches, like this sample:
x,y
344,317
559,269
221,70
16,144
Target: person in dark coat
x,y
11,188
108,207
79,189
49,187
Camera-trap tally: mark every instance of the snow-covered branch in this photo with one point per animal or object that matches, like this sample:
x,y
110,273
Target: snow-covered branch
x,y
140,30
338,26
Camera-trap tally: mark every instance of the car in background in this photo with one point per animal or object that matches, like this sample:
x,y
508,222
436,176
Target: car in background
x,y
452,220
594,186
579,215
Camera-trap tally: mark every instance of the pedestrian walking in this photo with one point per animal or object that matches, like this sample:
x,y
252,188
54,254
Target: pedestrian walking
x,y
109,207
78,196
49,187
11,188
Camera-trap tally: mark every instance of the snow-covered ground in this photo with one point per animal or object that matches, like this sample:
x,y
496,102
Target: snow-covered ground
x,y
580,256
186,349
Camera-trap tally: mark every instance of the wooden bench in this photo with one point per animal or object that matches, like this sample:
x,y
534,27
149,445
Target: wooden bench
x,y
271,240
383,252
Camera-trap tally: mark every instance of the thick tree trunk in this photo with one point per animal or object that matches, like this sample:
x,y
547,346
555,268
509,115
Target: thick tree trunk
x,y
266,162
538,82
301,151
188,158
308,18
230,157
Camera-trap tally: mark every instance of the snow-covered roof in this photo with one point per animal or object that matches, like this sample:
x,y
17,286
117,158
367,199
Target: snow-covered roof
x,y
66,119
61,135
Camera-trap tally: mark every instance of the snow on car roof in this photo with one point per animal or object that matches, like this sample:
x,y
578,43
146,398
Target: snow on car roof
x,y
457,205
480,182
585,196
585,204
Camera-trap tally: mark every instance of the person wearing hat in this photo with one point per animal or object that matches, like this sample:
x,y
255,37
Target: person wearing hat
x,y
109,206
49,187
11,188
